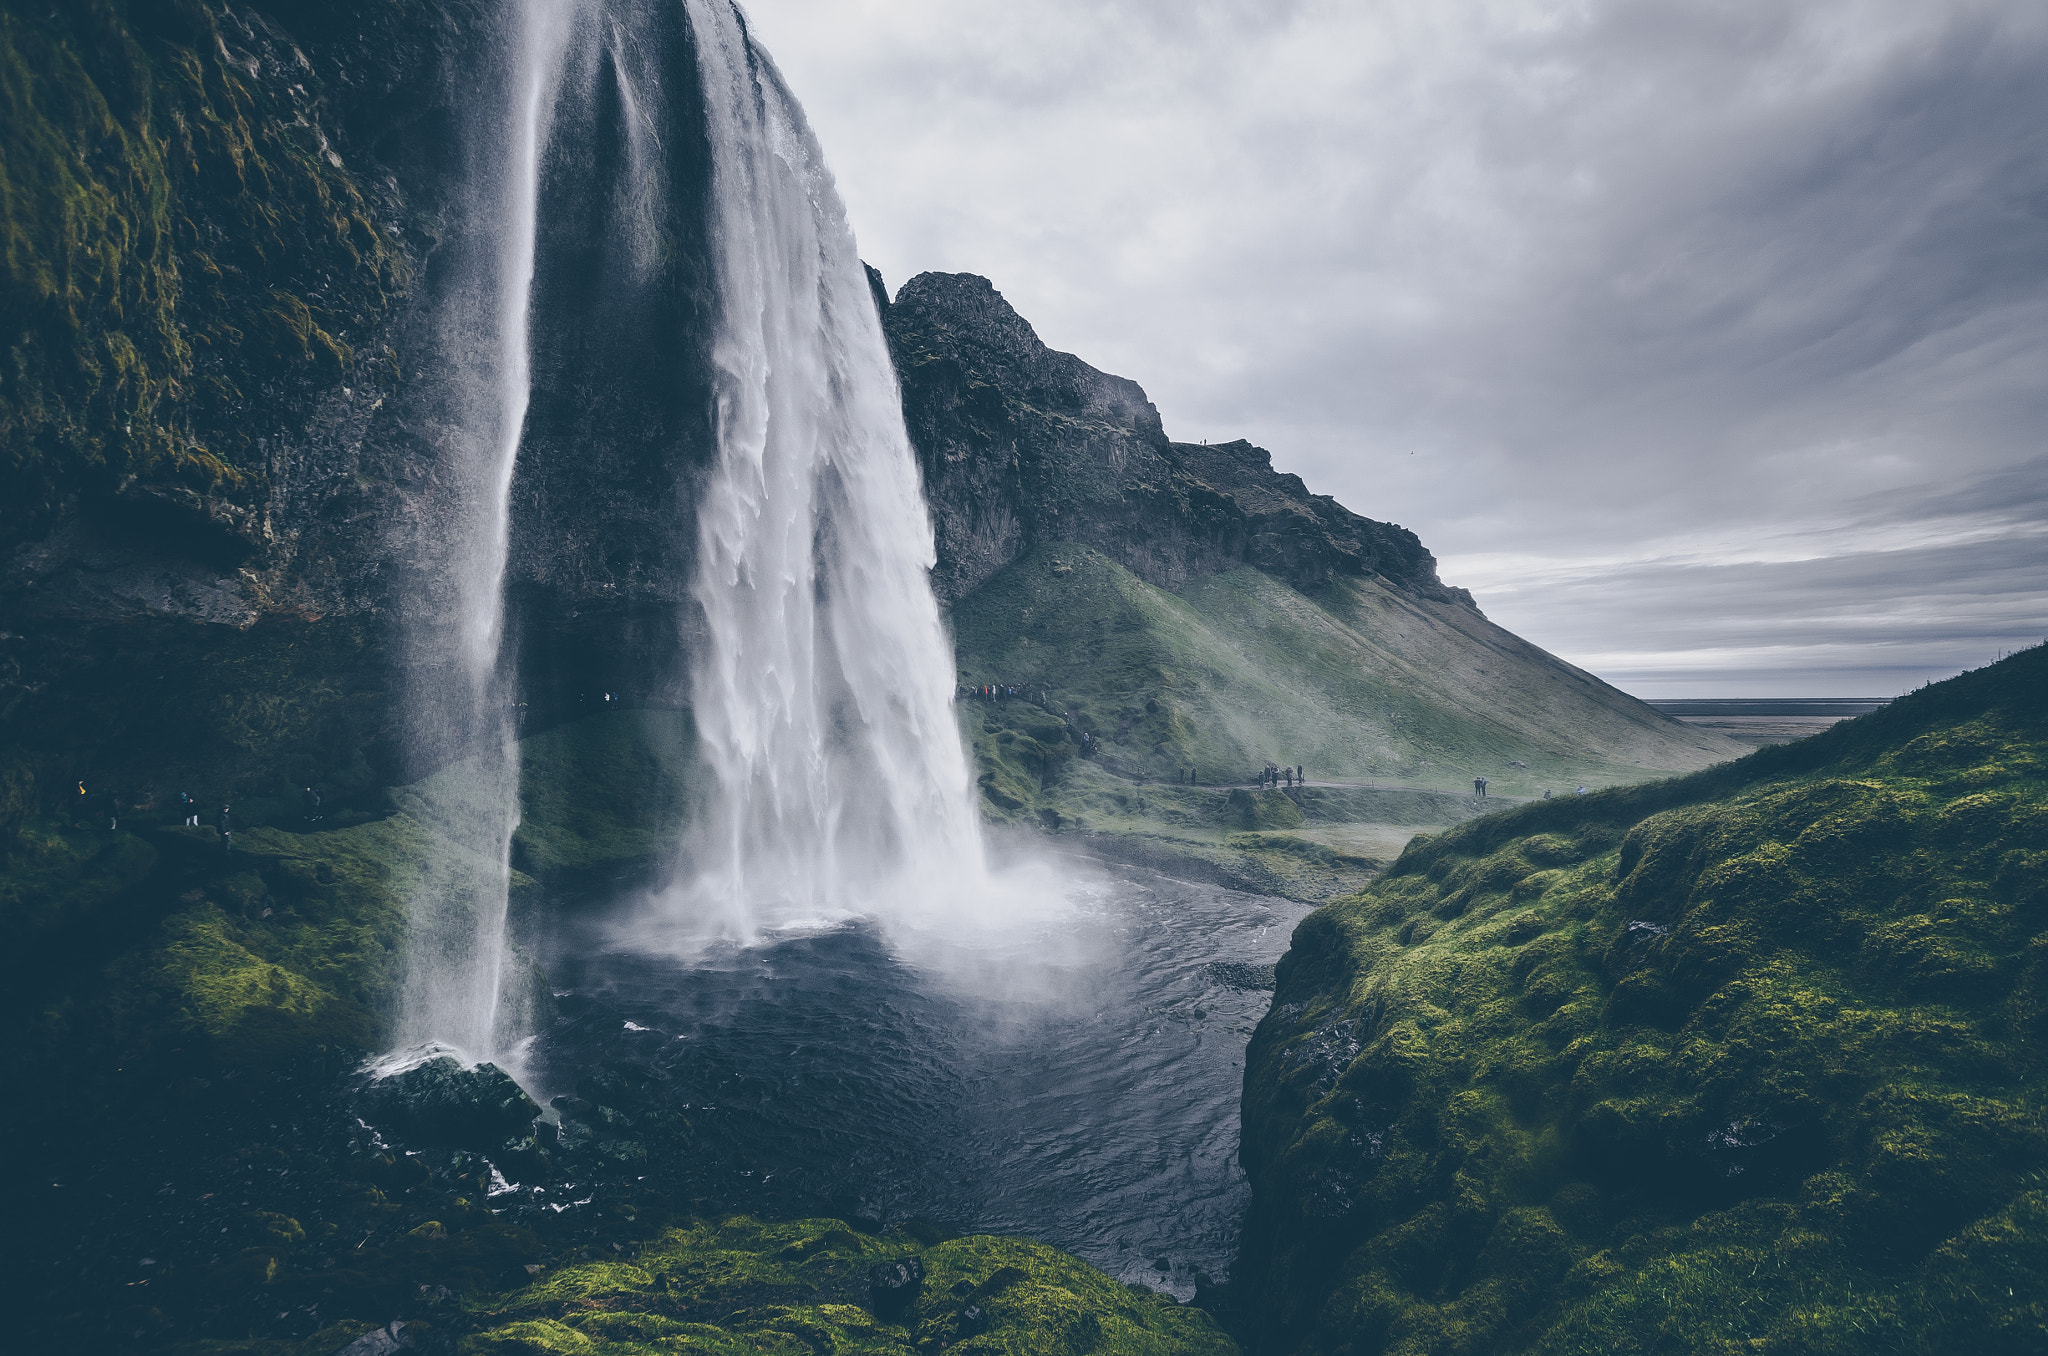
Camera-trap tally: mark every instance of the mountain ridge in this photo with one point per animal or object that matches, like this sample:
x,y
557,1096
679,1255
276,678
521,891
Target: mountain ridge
x,y
1020,443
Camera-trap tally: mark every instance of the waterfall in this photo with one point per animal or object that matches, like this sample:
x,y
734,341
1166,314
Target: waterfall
x,y
455,991
823,689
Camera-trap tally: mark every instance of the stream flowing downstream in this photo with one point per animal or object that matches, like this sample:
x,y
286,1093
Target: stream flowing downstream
x,y
1093,1105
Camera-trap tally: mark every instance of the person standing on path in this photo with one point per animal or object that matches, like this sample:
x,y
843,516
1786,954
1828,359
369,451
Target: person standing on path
x,y
1479,786
227,828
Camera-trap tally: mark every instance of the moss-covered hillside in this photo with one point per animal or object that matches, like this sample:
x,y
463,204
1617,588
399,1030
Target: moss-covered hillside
x,y
1748,1061
1355,683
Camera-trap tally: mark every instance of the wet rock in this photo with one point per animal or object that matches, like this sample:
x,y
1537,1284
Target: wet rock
x,y
523,1158
380,1341
893,1286
1248,975
626,1153
442,1102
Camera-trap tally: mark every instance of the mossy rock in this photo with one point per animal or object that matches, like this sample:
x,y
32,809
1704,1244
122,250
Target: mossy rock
x,y
179,237
53,877
603,792
803,1286
1748,1061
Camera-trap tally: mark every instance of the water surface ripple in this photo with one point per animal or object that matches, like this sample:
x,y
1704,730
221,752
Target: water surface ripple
x,y
1089,1100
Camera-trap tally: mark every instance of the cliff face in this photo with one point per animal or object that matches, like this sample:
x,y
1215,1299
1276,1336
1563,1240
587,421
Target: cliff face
x,y
1020,444
241,285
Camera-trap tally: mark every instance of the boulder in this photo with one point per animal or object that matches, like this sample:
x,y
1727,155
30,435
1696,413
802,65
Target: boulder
x,y
380,1341
893,1286
442,1102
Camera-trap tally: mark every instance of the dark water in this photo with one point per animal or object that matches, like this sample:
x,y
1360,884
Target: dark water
x,y
1078,1083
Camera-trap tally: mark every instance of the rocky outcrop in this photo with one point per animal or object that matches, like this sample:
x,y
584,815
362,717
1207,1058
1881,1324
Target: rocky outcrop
x,y
1021,444
1754,1051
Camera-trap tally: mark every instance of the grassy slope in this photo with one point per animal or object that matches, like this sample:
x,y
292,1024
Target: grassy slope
x,y
1748,1060
1363,683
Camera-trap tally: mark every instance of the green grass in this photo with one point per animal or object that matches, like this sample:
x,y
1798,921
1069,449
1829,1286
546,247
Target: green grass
x,y
1362,684
1359,685
1749,1060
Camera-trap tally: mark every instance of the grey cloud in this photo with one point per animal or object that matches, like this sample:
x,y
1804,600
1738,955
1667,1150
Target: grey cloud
x,y
1559,282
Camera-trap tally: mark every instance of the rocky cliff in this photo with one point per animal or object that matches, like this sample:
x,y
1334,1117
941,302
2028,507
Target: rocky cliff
x,y
243,248
1020,444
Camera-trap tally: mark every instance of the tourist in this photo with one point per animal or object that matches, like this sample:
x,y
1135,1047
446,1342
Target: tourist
x,y
227,829
1582,790
188,810
313,797
113,812
1479,786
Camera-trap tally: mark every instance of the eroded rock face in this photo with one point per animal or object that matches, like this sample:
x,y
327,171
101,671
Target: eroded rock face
x,y
1021,444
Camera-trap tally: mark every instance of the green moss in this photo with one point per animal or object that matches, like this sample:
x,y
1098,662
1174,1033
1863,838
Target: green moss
x,y
1747,1061
605,791
168,213
801,1287
53,877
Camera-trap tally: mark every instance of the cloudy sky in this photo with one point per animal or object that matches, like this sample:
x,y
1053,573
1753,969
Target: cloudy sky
x,y
1707,343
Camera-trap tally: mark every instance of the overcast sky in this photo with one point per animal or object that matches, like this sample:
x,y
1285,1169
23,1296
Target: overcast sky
x,y
1707,343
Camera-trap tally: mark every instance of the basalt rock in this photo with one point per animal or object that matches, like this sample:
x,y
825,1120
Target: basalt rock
x,y
441,1102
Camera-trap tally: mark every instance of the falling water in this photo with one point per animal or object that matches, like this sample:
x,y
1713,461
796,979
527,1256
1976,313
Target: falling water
x,y
824,689
455,993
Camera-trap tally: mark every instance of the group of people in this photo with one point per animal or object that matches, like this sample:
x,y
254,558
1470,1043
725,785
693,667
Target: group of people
x,y
107,805
1001,693
1274,776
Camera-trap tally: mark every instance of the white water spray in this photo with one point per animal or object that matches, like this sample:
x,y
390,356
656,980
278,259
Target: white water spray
x,y
824,693
455,994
